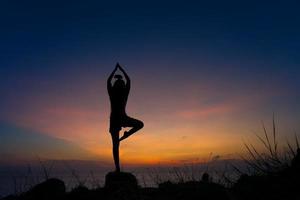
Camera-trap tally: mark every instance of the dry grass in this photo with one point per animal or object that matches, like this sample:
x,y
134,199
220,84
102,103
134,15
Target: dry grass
x,y
271,159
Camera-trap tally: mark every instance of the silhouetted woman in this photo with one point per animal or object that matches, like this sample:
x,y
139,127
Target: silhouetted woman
x,y
118,95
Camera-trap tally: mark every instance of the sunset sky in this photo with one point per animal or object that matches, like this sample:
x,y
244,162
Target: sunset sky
x,y
204,77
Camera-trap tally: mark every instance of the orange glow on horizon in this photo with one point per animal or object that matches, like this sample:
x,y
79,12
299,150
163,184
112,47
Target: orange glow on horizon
x,y
181,126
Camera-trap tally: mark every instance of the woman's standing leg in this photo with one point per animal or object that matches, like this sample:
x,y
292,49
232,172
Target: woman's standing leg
x,y
116,144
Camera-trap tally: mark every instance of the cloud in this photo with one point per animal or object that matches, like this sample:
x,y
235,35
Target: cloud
x,y
21,143
206,111
224,105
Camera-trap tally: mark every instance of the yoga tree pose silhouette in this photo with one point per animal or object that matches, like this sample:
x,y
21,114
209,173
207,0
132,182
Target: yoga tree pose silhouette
x,y
118,95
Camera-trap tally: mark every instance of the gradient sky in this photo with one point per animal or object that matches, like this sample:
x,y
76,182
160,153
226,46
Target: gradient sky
x,y
204,76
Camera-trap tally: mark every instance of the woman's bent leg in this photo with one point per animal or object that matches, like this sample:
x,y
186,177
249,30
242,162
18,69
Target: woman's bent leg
x,y
135,124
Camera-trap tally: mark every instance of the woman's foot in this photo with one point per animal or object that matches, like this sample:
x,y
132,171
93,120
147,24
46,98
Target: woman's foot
x,y
126,135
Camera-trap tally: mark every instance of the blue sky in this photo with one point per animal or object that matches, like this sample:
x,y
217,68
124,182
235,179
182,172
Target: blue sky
x,y
195,65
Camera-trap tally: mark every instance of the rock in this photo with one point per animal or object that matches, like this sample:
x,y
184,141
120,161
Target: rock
x,y
192,190
49,189
121,185
205,178
115,180
80,192
9,197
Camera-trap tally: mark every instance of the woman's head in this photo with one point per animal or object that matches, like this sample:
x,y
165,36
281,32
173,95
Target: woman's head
x,y
119,84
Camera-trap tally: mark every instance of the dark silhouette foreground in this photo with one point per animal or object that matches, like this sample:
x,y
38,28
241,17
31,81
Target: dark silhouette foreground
x,y
282,185
118,95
